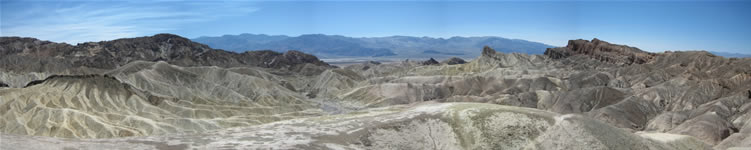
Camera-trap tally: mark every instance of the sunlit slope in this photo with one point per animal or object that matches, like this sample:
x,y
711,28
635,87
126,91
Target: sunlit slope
x,y
423,126
98,106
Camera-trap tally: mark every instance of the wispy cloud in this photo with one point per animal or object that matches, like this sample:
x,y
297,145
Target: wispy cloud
x,y
75,22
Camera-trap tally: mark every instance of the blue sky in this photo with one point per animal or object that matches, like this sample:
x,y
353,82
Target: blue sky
x,y
650,25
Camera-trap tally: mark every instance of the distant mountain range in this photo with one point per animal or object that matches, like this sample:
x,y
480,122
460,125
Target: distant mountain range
x,y
332,46
727,54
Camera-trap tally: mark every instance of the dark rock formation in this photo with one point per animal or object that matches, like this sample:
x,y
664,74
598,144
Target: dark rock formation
x,y
454,61
487,51
373,62
603,51
271,59
32,55
3,85
63,77
430,61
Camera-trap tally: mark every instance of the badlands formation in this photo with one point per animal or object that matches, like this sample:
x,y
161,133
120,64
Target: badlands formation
x,y
166,92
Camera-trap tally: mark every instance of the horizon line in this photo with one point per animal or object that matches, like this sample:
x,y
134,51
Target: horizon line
x,y
192,40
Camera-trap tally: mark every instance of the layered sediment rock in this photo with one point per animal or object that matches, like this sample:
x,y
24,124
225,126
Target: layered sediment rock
x,y
424,126
601,50
29,55
101,106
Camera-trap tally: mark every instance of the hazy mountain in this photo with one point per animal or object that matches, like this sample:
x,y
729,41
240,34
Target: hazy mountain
x,y
394,46
730,55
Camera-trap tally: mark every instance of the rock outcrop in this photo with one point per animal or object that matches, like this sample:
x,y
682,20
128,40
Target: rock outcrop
x,y
430,61
487,51
454,61
603,51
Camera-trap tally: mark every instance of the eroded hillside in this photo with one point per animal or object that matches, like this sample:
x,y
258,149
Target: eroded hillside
x,y
178,94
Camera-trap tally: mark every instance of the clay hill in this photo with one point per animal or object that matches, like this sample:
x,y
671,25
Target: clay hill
x,y
166,92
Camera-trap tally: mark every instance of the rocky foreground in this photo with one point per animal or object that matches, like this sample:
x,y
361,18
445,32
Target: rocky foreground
x,y
165,92
423,126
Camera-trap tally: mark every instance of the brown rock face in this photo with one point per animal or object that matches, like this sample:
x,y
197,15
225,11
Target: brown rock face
x,y
487,51
603,51
39,56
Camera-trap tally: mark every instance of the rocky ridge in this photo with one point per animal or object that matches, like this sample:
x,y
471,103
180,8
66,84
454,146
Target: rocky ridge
x,y
22,57
161,47
601,50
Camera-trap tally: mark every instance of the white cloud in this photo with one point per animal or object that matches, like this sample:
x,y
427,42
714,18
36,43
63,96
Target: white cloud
x,y
97,21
